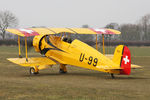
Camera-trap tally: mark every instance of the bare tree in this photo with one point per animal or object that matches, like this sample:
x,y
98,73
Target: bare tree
x,y
85,26
144,25
85,37
112,26
7,19
130,32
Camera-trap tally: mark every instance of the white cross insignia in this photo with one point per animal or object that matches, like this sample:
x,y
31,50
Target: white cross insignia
x,y
126,60
100,30
26,30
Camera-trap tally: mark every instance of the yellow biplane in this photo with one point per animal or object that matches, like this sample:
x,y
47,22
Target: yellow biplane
x,y
62,50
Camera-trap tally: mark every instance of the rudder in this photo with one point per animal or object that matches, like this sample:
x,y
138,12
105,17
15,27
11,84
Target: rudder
x,y
122,57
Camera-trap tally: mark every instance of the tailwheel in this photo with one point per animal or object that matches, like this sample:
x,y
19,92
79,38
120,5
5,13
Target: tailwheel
x,y
33,72
112,76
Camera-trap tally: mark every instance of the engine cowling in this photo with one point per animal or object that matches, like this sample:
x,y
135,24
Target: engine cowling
x,y
37,42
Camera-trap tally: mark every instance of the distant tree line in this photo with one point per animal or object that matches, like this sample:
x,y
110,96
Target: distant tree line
x,y
131,34
134,32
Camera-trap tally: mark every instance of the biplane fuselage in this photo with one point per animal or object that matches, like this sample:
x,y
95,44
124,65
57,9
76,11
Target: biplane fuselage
x,y
75,53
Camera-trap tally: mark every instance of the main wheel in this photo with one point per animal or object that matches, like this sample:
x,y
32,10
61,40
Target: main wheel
x,y
32,71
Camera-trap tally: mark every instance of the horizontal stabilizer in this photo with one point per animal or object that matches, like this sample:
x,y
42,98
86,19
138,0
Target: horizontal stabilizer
x,y
133,66
34,61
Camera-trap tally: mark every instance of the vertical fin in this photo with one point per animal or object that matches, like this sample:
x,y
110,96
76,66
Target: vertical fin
x,y
122,57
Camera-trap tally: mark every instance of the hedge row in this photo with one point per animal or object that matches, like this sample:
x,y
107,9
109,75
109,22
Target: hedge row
x,y
127,43
14,42
107,43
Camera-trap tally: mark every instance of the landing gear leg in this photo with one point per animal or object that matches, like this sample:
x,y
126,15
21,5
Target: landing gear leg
x,y
112,76
63,69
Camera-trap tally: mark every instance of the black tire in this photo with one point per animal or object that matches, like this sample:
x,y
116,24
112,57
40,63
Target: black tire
x,y
32,71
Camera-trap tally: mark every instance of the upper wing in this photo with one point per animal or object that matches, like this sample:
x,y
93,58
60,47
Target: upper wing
x,y
85,30
34,61
46,31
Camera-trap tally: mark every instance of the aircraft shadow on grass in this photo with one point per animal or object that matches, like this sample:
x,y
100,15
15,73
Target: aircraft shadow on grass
x,y
96,75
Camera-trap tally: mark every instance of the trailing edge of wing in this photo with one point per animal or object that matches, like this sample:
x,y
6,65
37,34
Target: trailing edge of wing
x,y
26,32
34,61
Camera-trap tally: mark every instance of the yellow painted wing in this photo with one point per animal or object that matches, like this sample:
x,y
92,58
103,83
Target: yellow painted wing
x,y
30,31
85,30
74,30
26,32
34,61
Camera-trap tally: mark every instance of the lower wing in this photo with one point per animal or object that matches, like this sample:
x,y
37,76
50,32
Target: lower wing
x,y
34,61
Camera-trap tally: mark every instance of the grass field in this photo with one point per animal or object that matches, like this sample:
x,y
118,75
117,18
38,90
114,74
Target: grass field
x,y
78,84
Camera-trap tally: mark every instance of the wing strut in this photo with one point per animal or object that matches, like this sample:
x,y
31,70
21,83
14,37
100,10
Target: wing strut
x,y
103,45
26,48
19,47
96,43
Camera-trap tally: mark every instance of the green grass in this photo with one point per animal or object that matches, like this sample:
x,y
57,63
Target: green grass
x,y
135,51
78,84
